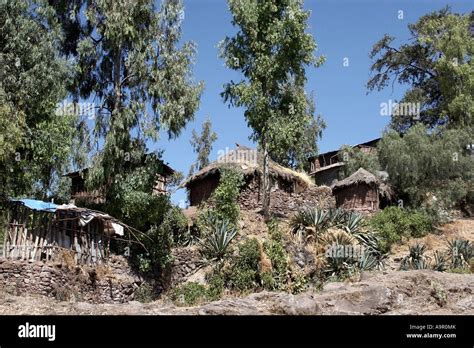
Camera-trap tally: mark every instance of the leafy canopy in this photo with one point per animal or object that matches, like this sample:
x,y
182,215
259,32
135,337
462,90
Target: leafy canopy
x,y
437,64
272,50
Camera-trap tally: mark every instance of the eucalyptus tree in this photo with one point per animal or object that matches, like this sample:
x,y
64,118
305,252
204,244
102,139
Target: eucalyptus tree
x,y
202,145
437,65
129,62
272,50
35,141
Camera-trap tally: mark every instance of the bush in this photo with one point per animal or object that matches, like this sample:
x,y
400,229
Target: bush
x,y
144,293
442,166
216,285
226,194
274,248
176,224
394,223
312,222
189,294
244,273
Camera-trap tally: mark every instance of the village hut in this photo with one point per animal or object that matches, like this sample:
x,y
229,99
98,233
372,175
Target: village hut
x,y
248,161
39,230
290,190
362,191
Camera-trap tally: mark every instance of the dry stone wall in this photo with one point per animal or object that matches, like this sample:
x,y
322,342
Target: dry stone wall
x,y
186,262
285,203
113,283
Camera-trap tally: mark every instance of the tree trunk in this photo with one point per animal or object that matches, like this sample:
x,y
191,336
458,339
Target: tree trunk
x,y
266,183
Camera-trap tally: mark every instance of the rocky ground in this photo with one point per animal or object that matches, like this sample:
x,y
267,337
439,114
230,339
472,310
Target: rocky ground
x,y
390,292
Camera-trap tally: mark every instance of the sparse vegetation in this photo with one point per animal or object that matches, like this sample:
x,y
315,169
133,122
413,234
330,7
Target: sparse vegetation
x,y
144,293
394,223
460,252
416,258
189,294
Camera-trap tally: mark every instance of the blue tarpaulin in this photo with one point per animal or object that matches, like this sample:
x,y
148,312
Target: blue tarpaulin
x,y
37,205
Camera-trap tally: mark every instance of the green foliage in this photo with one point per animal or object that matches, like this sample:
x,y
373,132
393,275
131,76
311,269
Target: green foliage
x,y
176,224
202,145
460,252
416,258
440,261
394,223
276,252
226,194
216,286
355,158
442,165
437,64
315,221
244,273
216,240
189,294
129,61
144,293
309,221
272,50
157,258
35,141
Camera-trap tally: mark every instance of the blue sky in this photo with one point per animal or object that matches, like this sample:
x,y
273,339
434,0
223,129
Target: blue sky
x,y
342,29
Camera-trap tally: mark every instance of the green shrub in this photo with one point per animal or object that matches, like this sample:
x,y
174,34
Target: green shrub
x,y
274,248
144,293
189,294
226,194
176,224
216,285
244,273
315,221
394,223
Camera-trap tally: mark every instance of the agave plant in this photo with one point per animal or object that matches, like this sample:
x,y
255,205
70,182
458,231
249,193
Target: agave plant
x,y
416,258
460,252
309,221
440,261
369,261
336,216
352,222
216,242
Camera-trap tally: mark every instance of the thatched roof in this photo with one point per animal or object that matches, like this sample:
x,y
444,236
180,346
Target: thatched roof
x,y
249,162
362,176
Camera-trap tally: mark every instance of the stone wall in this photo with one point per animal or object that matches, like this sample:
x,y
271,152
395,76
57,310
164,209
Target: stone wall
x,y
186,262
286,203
112,283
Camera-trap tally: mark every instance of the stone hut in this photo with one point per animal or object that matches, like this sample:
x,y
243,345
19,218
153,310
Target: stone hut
x,y
290,190
362,191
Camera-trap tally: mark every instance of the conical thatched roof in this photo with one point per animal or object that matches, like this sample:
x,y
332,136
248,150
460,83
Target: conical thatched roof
x,y
249,162
362,176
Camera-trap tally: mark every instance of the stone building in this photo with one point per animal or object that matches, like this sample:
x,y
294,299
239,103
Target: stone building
x,y
290,190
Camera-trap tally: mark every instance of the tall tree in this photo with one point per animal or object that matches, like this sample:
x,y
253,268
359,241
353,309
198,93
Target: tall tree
x,y
437,64
128,60
202,145
272,50
35,141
